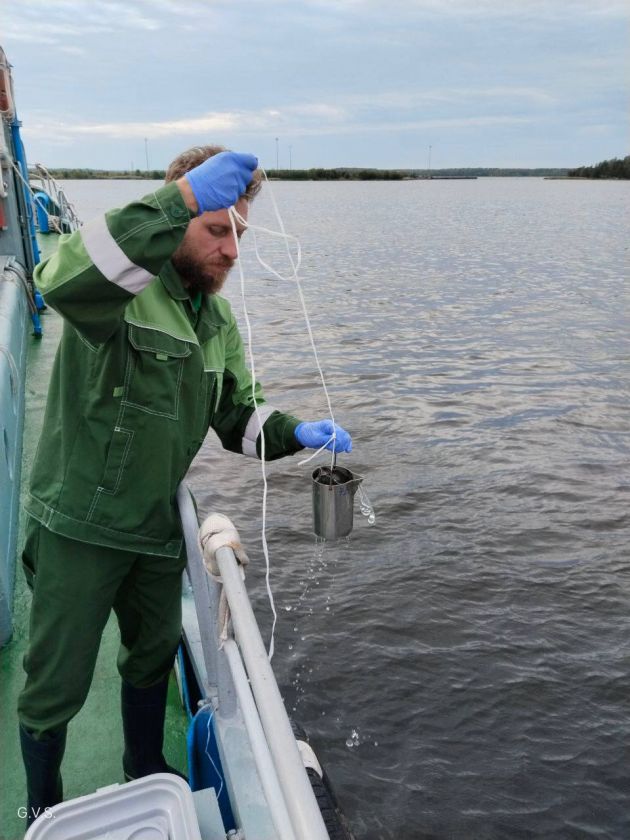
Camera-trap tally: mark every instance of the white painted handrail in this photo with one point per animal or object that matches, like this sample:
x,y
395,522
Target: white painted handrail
x,y
299,797
258,742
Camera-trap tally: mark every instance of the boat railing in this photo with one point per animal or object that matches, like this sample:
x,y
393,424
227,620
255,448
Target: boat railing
x,y
65,218
239,671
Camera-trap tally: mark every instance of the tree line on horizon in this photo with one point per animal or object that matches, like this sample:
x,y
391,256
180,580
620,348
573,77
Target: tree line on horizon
x,y
613,168
319,173
73,173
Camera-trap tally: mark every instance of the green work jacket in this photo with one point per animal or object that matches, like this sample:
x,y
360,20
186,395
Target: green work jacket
x,y
138,379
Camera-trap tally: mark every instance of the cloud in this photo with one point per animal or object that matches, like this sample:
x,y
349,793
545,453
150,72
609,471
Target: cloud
x,y
597,130
388,111
320,110
51,23
232,121
40,32
300,120
392,126
541,10
70,50
202,125
406,99
355,73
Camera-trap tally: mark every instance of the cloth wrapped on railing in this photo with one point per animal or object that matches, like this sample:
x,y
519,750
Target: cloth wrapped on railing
x,y
217,531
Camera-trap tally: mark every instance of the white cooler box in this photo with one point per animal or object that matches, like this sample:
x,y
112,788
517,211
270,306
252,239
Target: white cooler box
x,y
157,807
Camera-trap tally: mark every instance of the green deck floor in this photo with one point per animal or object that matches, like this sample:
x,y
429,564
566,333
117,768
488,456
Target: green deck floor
x,y
94,750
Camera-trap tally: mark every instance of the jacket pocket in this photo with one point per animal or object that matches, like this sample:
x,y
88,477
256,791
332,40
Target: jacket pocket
x,y
155,371
216,389
116,458
117,455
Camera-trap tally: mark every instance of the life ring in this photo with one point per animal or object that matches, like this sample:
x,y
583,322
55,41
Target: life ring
x,y
6,90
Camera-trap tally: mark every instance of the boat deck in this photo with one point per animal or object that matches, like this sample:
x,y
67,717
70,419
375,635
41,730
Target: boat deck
x,y
94,750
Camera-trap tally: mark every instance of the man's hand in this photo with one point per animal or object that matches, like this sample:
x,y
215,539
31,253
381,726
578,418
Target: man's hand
x,y
218,182
315,435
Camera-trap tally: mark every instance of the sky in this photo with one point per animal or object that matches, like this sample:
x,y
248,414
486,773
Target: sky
x,y
374,83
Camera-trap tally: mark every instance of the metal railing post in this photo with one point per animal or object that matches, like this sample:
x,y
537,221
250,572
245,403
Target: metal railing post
x,y
206,593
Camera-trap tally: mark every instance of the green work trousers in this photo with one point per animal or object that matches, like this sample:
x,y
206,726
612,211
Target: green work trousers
x,y
75,586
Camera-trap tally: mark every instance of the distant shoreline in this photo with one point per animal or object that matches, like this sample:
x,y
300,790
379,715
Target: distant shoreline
x,y
320,174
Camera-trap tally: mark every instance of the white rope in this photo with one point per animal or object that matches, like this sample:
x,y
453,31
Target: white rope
x,y
301,295
233,215
207,748
295,266
315,454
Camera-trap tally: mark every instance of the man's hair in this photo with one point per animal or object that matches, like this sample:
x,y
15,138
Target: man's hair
x,y
194,157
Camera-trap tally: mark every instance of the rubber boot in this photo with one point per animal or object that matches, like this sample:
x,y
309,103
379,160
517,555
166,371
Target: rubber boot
x,y
143,713
42,762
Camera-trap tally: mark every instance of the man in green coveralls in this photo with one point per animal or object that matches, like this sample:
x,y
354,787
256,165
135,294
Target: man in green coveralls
x,y
150,359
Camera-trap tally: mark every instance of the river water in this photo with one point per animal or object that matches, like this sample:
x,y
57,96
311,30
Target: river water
x,y
462,665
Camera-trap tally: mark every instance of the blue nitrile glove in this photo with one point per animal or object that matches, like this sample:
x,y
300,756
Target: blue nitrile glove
x,y
315,435
221,180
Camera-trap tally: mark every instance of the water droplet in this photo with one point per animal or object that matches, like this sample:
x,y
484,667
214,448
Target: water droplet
x,y
376,743
353,739
288,609
290,647
367,508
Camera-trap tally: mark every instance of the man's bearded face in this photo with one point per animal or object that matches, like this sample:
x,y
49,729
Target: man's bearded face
x,y
208,250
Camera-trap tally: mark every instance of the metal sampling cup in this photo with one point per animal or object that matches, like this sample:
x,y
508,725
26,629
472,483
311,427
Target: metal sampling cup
x,y
333,501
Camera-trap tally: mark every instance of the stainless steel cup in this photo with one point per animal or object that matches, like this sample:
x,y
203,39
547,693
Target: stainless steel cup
x,y
333,501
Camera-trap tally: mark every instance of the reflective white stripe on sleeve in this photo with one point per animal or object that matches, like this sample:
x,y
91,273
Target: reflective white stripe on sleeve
x,y
253,429
111,260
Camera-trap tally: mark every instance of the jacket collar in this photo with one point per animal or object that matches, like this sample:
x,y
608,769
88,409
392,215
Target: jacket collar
x,y
210,317
173,282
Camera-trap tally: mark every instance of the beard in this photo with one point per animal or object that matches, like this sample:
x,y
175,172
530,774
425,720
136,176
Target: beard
x,y
207,278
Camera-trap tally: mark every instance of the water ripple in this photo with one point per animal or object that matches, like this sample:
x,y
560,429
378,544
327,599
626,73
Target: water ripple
x,y
477,347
